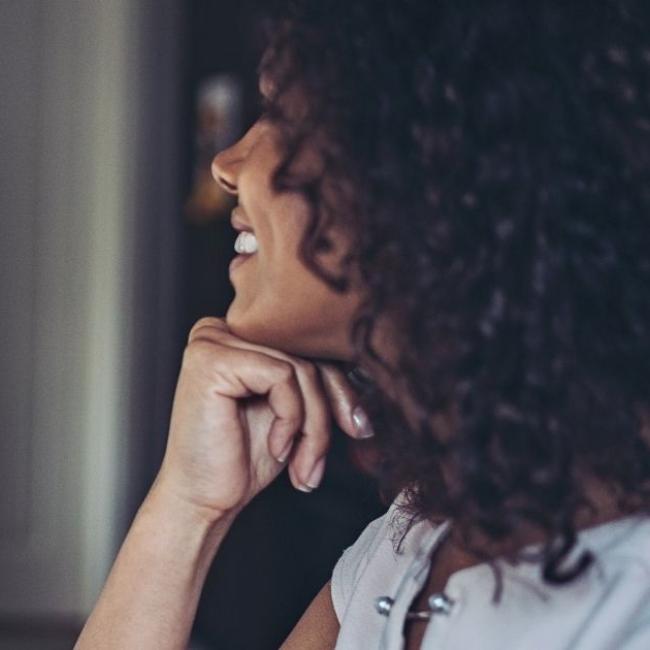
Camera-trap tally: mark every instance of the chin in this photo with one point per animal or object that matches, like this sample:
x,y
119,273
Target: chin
x,y
261,333
285,338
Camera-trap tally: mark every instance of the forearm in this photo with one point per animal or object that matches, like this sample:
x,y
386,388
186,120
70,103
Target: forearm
x,y
149,600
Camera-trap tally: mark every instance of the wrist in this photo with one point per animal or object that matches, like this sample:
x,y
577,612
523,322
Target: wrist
x,y
166,503
171,527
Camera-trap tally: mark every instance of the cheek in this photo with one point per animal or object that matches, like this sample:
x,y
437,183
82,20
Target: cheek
x,y
278,266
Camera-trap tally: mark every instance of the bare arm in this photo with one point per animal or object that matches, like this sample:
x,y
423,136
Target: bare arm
x,y
151,595
318,627
242,413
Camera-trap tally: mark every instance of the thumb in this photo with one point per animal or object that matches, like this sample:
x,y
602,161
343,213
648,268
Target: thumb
x,y
344,402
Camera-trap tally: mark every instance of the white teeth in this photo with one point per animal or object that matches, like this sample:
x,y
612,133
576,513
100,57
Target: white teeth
x,y
246,243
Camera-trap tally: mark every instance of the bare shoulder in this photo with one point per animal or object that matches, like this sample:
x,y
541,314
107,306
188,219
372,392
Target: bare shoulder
x,y
318,627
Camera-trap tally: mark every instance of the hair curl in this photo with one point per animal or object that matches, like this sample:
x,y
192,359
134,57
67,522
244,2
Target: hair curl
x,y
492,160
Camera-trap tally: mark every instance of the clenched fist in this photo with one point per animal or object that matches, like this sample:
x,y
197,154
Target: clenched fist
x,y
242,412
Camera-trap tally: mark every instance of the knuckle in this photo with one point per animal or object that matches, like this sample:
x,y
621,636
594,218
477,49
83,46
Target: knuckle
x,y
284,371
216,325
306,368
293,421
200,351
316,445
317,431
286,428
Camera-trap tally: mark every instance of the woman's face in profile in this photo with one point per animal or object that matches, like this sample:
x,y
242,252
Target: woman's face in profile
x,y
278,301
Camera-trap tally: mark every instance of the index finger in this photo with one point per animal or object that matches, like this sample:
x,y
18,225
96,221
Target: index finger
x,y
206,326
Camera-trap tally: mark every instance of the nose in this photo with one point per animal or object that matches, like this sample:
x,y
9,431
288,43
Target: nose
x,y
227,164
225,168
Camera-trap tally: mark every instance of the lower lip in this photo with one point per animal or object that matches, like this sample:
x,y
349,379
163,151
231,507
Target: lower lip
x,y
237,261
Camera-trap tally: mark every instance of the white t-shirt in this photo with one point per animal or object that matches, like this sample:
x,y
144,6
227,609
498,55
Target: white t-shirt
x,y
607,608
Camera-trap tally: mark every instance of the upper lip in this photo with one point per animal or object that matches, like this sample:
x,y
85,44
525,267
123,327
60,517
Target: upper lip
x,y
237,221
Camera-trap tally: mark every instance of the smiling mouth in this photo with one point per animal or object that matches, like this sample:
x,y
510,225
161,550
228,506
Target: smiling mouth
x,y
245,247
246,243
239,220
238,260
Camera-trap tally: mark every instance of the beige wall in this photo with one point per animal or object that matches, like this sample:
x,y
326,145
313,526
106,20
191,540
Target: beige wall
x,y
72,267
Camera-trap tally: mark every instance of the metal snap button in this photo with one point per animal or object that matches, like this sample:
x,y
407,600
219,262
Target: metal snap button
x,y
383,605
440,603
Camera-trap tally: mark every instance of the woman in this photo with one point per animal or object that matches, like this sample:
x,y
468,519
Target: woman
x,y
453,199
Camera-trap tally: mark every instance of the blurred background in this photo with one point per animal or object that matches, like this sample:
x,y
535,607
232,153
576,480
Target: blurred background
x,y
113,241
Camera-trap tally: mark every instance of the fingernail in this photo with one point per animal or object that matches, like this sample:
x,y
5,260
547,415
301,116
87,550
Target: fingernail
x,y
284,454
305,488
361,423
316,475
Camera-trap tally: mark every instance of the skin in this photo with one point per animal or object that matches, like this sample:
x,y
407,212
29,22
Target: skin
x,y
247,405
256,394
279,302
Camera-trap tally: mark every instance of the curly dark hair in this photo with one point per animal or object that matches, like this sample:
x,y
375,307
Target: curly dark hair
x,y
492,161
